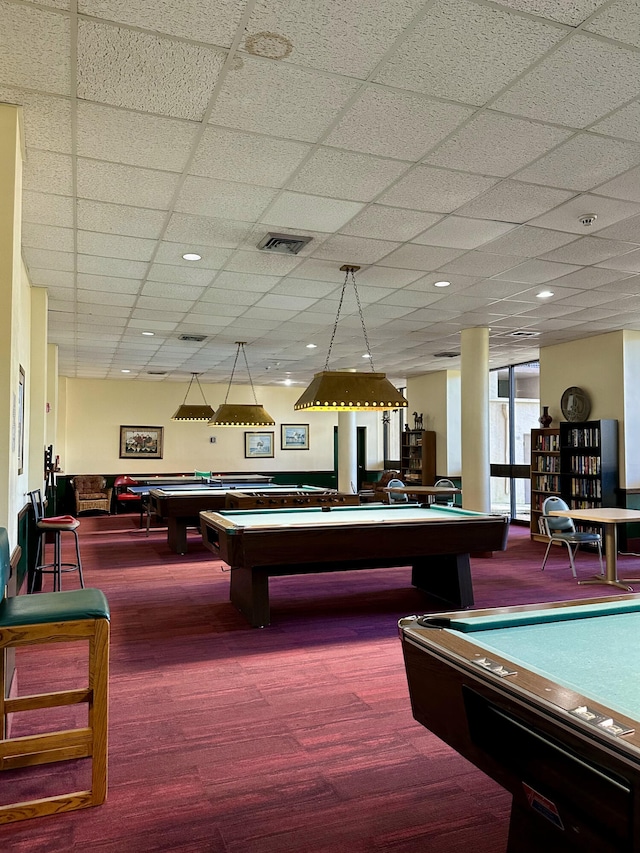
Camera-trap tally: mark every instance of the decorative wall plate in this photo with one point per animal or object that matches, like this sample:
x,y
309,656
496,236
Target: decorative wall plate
x,y
575,404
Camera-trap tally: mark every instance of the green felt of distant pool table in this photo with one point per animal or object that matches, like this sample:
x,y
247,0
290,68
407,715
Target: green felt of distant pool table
x,y
435,542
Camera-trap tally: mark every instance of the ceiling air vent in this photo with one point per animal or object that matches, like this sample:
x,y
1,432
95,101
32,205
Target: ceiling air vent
x,y
446,354
523,333
156,372
196,338
285,244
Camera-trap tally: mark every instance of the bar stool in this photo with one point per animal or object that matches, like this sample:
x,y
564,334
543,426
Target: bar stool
x,y
36,621
57,525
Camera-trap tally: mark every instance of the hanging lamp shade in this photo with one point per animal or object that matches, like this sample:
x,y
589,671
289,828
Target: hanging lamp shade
x,y
193,411
241,414
345,390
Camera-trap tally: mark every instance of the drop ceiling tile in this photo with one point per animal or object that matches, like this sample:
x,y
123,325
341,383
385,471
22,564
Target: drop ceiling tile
x,y
52,278
589,250
203,320
346,175
48,237
218,297
312,212
466,52
476,263
188,71
527,242
136,139
47,209
287,303
34,48
103,282
584,162
627,230
588,298
355,250
415,257
565,217
629,262
248,158
619,21
272,315
190,19
103,298
180,275
321,32
480,145
119,219
390,223
371,124
495,288
145,318
387,276
461,233
589,277
48,172
571,12
563,88
262,262
95,265
210,197
207,231
306,287
625,186
115,246
624,122
185,293
279,100
406,298
536,272
457,282
245,281
47,119
512,201
46,259
437,190
112,182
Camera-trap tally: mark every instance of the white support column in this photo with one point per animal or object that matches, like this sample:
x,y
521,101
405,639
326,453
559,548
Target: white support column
x,y
476,491
347,453
38,386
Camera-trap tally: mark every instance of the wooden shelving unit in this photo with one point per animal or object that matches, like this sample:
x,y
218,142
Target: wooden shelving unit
x,y
545,473
418,457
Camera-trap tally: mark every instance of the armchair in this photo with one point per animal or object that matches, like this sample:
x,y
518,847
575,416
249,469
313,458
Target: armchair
x,y
91,493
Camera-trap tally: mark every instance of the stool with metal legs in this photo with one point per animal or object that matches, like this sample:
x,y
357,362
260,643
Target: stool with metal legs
x,y
56,525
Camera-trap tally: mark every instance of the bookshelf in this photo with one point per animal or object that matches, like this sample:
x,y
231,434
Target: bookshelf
x,y
418,457
545,473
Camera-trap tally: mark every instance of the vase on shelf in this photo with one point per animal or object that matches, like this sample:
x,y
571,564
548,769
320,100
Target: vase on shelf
x,y
545,418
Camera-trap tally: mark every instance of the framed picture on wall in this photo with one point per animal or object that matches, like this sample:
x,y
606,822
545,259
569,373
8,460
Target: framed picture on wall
x,y
258,445
294,436
141,442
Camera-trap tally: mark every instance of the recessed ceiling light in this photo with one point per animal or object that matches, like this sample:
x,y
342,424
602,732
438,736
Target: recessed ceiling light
x,y
288,382
366,355
544,294
150,334
192,256
312,346
441,283
125,371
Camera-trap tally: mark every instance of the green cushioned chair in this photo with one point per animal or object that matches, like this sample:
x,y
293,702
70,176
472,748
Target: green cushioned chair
x,y
38,620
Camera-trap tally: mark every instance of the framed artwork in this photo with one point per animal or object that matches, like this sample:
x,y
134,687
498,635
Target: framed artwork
x,y
141,442
20,424
294,436
258,445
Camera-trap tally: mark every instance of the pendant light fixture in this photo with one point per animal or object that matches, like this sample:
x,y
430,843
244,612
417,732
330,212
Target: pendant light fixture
x,y
350,391
191,411
241,415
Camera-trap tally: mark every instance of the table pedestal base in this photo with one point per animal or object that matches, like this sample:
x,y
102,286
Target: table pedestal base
x,y
603,580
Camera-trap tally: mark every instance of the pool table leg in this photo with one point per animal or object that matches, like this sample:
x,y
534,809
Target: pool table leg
x,y
250,594
446,577
177,535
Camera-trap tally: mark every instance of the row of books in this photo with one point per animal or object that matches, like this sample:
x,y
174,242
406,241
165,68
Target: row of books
x,y
549,464
585,465
548,443
583,437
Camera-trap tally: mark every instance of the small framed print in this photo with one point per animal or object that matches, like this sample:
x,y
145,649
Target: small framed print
x,y
141,442
258,445
294,436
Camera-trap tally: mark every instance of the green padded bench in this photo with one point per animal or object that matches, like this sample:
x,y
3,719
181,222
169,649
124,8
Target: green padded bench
x,y
36,620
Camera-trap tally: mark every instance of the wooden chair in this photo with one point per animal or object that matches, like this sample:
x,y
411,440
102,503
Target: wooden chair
x,y
38,620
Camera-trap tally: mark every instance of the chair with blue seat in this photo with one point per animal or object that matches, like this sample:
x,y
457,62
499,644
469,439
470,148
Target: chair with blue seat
x,y
396,497
445,499
37,621
561,530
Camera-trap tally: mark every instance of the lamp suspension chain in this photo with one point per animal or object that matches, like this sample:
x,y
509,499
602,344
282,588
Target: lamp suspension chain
x,y
240,345
349,270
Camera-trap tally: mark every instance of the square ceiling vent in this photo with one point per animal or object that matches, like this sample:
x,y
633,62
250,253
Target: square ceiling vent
x,y
284,244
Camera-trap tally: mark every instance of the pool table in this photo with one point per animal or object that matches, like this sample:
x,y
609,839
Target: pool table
x,y
435,541
545,699
179,505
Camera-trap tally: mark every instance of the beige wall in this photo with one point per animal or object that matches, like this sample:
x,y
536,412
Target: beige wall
x,y
437,397
92,411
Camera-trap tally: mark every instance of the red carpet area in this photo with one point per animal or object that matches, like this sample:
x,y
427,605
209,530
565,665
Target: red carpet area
x,y
296,738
